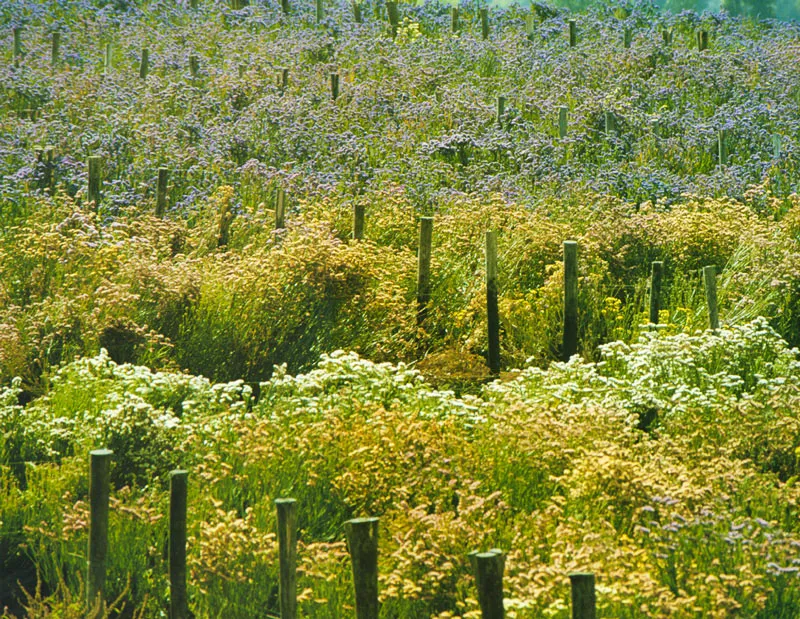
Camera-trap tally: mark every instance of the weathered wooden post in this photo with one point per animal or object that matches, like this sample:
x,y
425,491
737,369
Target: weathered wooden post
x,y
161,192
710,282
656,271
424,268
178,600
570,343
492,311
610,121
224,223
362,541
666,36
108,59
99,490
283,79
573,33
17,43
94,183
394,16
702,40
562,121
287,556
484,13
280,209
455,26
320,11
194,66
357,16
584,603
722,146
55,48
358,221
144,65
627,36
285,7
334,86
45,163
501,109
488,568
776,145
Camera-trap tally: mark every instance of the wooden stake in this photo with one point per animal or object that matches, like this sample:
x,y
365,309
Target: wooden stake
x,y
55,48
99,490
424,268
454,23
178,600
93,189
287,552
194,66
17,44
161,192
626,38
107,59
357,12
710,282
776,145
394,16
702,40
492,311
283,79
285,6
358,221
583,596
610,122
722,146
562,121
362,540
570,344
280,209
484,13
45,164
501,109
144,65
666,36
573,33
489,567
320,11
334,86
656,271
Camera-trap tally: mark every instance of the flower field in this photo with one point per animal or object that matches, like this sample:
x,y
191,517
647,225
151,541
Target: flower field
x,y
179,283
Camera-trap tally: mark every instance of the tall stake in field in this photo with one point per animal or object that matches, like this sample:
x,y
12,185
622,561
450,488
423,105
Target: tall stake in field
x,y
357,12
570,344
626,38
334,86
99,488
287,555
194,66
702,40
362,541
55,48
17,44
562,121
710,284
107,59
280,209
584,604
484,13
492,312
488,568
394,16
45,163
283,79
320,11
656,271
776,145
285,7
358,221
501,109
161,192
573,33
178,600
455,26
424,268
722,146
94,181
144,65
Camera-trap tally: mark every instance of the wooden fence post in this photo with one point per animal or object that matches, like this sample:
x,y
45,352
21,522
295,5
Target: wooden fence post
x,y
320,11
17,43
484,13
584,604
501,109
358,221
334,86
283,79
394,16
570,343
161,192
424,268
108,59
280,209
722,146
287,551
488,568
562,121
194,66
45,163
710,283
702,40
610,121
55,48
573,33
656,271
776,145
362,540
357,12
93,188
492,312
99,490
626,38
144,65
455,26
285,7
178,600
666,36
